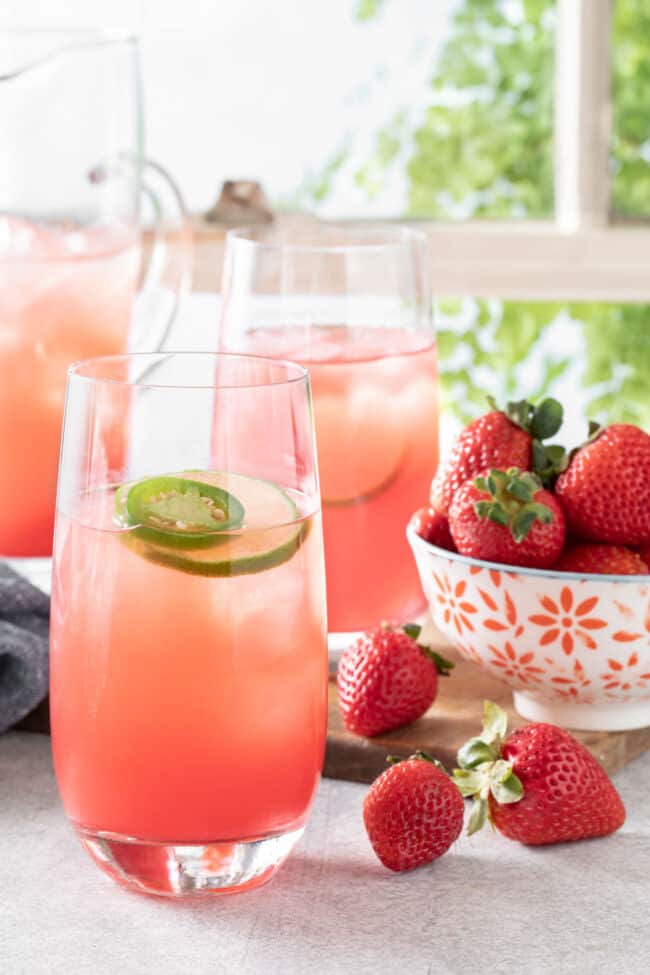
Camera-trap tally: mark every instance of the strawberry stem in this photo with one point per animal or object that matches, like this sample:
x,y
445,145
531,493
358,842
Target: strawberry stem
x,y
512,503
542,421
417,756
483,773
442,665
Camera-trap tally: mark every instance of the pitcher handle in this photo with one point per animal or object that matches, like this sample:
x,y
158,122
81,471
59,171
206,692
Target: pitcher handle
x,y
168,275
169,269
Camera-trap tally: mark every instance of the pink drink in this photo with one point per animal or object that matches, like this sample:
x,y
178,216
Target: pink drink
x,y
376,414
189,708
65,294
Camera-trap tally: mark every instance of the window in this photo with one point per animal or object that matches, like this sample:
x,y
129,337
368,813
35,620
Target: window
x,y
517,132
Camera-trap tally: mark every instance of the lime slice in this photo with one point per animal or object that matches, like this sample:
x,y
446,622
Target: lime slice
x,y
360,445
248,548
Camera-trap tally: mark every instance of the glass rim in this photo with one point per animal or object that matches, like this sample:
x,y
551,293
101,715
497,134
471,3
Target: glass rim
x,y
82,369
391,237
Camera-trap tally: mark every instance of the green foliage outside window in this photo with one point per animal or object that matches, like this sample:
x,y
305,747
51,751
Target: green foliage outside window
x,y
487,152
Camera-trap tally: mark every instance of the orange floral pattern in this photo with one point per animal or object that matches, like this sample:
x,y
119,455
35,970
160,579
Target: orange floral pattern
x,y
500,622
582,642
623,676
520,666
572,684
455,609
568,623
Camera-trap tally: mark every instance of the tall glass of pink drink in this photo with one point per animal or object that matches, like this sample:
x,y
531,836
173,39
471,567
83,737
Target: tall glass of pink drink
x,y
353,306
70,192
188,633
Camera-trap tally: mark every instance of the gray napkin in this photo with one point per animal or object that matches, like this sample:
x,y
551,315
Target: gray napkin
x,y
24,655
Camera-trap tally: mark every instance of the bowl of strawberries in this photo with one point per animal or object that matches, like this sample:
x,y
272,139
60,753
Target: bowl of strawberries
x,y
535,562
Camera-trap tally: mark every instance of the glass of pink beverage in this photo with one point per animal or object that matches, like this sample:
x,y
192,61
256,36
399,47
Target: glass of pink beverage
x,y
352,305
70,192
188,629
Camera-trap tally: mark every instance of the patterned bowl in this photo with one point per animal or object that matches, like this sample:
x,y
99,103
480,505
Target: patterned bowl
x,y
575,648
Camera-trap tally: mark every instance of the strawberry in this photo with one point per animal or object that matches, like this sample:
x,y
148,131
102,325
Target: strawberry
x,y
539,785
433,528
386,679
644,552
507,517
412,813
502,438
605,491
612,560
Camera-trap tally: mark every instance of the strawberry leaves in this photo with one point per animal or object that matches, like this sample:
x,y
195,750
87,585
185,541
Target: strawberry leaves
x,y
443,666
483,772
542,422
549,460
512,503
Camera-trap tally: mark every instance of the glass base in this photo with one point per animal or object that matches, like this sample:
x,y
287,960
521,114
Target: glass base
x,y
188,871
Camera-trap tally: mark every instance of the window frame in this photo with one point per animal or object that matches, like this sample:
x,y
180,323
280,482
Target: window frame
x,y
580,255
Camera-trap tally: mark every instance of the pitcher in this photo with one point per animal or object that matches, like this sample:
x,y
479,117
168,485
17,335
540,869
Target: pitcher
x,y
72,180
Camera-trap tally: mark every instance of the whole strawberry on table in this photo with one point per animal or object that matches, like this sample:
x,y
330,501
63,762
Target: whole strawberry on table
x,y
387,678
506,495
538,785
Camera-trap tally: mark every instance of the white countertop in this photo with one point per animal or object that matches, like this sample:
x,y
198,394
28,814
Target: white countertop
x,y
489,906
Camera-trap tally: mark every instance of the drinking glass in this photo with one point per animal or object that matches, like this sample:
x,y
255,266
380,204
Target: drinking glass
x,y
72,181
188,626
353,305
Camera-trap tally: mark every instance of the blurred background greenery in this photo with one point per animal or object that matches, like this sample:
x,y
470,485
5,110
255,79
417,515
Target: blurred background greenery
x,y
480,145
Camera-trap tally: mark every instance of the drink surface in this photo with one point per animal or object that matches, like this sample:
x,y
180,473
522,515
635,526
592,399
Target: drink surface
x,y
376,416
65,294
189,707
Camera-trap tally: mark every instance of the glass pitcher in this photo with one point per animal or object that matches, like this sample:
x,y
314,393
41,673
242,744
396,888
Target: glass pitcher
x,y
72,184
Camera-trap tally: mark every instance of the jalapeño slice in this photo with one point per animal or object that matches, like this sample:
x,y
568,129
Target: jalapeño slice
x,y
273,532
180,512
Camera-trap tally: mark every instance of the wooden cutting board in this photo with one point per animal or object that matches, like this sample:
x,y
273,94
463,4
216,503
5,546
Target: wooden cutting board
x,y
455,717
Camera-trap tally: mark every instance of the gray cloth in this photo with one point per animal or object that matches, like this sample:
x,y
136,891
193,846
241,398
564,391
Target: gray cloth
x,y
24,647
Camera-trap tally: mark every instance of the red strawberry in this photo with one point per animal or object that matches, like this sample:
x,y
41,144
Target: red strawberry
x,y
644,552
433,527
538,786
412,813
605,491
602,559
386,679
507,517
502,439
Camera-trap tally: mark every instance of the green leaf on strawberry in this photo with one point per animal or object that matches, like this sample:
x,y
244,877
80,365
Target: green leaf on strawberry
x,y
547,419
475,752
483,772
504,784
541,786
511,501
495,723
477,817
443,666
